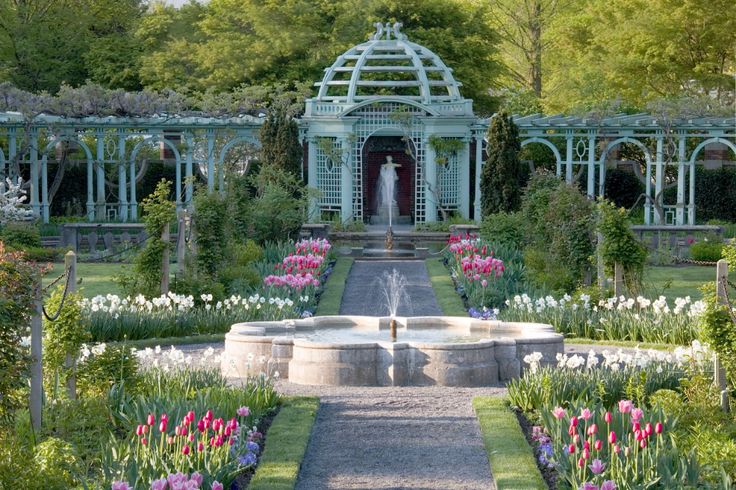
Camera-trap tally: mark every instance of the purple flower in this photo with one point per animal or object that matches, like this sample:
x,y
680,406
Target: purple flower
x,y
608,485
248,459
159,484
252,446
597,467
121,485
589,486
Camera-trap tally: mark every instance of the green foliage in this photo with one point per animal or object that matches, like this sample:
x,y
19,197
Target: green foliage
x,y
445,148
504,228
16,296
58,463
20,235
560,225
65,335
718,329
500,178
105,366
210,225
619,245
159,212
280,144
708,251
17,468
729,254
623,187
278,209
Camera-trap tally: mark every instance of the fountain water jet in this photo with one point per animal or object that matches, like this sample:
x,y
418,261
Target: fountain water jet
x,y
393,287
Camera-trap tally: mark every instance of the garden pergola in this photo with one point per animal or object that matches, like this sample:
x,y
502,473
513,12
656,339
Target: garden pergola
x,y
664,142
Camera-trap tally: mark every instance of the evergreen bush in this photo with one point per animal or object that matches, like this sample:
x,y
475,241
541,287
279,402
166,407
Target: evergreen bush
x,y
501,175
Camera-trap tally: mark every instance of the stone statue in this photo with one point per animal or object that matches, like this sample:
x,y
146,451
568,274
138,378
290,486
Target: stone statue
x,y
386,198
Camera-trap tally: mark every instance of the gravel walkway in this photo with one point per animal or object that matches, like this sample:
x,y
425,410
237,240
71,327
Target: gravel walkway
x,y
394,438
363,293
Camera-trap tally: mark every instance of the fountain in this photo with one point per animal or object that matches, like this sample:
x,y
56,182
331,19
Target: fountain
x,y
393,287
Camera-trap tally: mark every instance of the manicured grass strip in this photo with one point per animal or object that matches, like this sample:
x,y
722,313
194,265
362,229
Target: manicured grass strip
x,y
511,458
97,278
620,343
444,288
286,443
676,281
329,302
188,340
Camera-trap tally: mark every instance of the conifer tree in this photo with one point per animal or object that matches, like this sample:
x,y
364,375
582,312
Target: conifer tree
x,y
500,184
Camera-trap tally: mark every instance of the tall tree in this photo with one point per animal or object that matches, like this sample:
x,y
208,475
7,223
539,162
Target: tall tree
x,y
500,185
280,145
522,25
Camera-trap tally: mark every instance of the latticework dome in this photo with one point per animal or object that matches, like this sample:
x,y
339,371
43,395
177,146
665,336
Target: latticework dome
x,y
388,65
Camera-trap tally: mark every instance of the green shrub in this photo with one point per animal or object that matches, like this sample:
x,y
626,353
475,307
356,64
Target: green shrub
x,y
58,464
211,228
715,193
729,253
17,468
105,366
21,235
708,251
718,329
620,245
38,254
66,334
505,228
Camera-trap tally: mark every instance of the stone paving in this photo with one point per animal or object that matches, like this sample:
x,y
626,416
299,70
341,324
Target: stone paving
x,y
364,294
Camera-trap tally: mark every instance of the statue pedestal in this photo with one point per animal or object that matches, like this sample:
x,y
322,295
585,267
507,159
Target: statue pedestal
x,y
382,217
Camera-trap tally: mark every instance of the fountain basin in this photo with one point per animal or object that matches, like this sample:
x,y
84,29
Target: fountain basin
x,y
356,350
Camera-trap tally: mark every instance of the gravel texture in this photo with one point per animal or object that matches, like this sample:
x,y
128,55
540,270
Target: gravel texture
x,y
364,295
392,438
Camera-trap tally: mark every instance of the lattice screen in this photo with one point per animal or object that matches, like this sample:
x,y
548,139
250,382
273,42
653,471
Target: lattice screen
x,y
448,180
329,179
400,117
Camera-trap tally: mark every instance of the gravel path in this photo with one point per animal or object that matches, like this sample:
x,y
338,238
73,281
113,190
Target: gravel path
x,y
363,293
394,438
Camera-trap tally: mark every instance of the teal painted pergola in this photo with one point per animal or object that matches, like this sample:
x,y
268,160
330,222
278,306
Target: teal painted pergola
x,y
588,142
387,86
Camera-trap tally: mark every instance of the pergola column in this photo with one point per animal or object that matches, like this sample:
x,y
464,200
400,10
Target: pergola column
x,y
189,168
35,203
312,178
100,167
568,156
122,191
44,190
210,160
591,165
346,180
681,179
478,169
133,201
430,176
464,184
659,178
691,201
12,151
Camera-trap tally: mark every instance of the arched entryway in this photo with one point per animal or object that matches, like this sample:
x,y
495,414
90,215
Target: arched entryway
x,y
375,153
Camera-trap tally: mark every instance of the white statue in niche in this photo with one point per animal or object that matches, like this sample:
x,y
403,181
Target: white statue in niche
x,y
387,179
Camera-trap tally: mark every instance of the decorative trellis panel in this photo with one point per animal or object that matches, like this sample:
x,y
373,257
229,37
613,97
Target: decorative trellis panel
x,y
448,180
329,178
389,115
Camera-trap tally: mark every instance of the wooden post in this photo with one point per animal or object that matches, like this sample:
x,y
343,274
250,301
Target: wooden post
x,y
165,260
618,279
70,362
600,267
181,242
719,373
36,357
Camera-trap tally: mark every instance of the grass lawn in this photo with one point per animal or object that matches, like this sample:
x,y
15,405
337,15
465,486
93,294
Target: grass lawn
x,y
286,443
331,299
677,281
96,277
512,461
444,289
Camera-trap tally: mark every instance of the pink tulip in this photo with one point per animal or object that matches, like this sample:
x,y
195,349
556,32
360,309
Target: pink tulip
x,y
159,484
185,450
612,437
190,415
648,429
121,485
608,485
585,414
170,440
643,443
658,428
637,414
635,426
589,485
200,447
144,441
625,406
597,467
586,453
592,429
208,415
196,477
177,430
191,437
558,413
598,445
581,462
216,485
616,448
139,430
151,419
162,426
243,411
200,425
184,431
607,417
586,445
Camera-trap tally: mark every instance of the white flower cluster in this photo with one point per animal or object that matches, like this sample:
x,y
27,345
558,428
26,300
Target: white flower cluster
x,y
173,358
12,198
615,361
169,302
85,351
640,304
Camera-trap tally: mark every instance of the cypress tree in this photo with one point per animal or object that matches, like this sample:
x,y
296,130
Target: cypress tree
x,y
500,183
280,146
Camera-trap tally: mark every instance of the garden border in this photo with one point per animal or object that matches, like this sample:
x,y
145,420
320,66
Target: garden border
x,y
331,297
444,288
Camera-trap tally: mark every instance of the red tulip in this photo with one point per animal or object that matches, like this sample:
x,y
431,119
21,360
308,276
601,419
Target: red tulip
x,y
658,428
598,445
635,427
200,447
144,441
139,430
185,450
574,421
592,429
581,462
586,445
190,415
571,448
162,426
208,415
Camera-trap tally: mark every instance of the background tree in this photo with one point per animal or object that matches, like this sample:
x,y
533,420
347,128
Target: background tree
x,y
500,184
280,146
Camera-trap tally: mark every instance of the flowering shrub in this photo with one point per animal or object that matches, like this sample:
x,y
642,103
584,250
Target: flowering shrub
x,y
586,380
12,198
637,319
115,318
627,448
